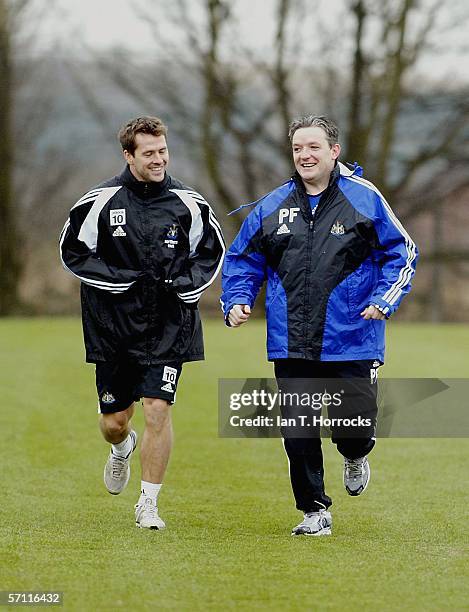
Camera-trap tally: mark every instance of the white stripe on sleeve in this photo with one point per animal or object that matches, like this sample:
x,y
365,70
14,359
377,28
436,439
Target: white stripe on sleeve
x,y
192,199
89,229
406,271
197,227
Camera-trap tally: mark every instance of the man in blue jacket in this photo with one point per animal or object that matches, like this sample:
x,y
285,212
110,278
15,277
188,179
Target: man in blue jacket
x,y
337,263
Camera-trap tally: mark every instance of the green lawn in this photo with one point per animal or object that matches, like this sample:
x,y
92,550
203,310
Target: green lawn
x,y
227,502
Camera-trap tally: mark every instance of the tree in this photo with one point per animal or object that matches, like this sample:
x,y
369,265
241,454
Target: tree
x,y
232,106
217,119
32,171
380,90
9,243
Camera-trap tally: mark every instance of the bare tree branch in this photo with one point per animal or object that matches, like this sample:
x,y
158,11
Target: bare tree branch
x,y
421,39
98,111
397,69
280,72
357,134
450,131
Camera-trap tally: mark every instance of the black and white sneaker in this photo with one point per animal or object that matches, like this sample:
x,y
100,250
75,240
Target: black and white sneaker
x,y
314,524
146,515
117,469
356,475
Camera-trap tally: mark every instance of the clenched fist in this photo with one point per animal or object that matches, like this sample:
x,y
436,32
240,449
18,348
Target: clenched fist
x,y
239,314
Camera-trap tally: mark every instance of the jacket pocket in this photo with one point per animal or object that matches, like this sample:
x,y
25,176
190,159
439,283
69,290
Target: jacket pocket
x,y
183,327
360,288
95,307
271,292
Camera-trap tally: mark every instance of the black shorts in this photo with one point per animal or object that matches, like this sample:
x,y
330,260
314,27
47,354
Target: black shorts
x,y
119,384
304,368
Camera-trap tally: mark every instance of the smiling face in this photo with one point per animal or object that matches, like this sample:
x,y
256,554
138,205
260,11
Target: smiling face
x,y
150,158
314,157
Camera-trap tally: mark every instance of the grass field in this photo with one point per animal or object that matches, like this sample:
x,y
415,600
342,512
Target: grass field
x,y
227,502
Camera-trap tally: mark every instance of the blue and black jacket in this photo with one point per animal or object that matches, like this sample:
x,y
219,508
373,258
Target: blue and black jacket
x,y
322,269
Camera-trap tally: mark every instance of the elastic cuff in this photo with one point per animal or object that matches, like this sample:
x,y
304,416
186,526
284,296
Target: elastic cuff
x,y
382,306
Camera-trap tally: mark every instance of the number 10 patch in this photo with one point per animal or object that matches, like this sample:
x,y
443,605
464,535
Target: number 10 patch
x,y
117,216
169,374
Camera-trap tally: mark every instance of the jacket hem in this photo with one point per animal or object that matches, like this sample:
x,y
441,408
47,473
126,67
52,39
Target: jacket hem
x,y
344,357
184,359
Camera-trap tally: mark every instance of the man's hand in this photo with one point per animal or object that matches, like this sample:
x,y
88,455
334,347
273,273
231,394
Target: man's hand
x,y
239,314
371,312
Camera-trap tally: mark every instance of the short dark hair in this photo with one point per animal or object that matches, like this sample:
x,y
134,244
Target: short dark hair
x,y
140,125
329,127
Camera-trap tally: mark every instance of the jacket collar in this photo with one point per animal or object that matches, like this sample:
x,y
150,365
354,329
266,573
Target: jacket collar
x,y
302,196
142,189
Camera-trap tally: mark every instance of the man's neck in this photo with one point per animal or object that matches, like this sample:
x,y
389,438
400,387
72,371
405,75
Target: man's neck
x,y
315,188
136,176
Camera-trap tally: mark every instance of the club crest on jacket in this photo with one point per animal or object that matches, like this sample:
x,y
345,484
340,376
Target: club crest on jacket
x,y
172,236
338,229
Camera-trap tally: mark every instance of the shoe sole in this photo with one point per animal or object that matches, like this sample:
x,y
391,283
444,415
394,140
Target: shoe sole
x,y
355,493
323,532
155,528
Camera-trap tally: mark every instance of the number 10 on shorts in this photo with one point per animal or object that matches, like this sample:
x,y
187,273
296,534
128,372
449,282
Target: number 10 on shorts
x,y
169,374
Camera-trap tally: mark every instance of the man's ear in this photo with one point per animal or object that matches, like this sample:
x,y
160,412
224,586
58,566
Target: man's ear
x,y
335,150
129,158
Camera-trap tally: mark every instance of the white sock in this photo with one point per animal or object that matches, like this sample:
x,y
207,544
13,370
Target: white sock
x,y
122,449
151,490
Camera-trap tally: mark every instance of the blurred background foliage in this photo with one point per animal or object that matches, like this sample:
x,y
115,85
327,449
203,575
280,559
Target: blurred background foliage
x,y
228,97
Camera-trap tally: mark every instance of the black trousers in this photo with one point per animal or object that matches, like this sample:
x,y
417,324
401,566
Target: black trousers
x,y
305,453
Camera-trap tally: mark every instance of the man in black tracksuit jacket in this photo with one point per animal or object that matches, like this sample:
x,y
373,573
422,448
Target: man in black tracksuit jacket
x,y
144,247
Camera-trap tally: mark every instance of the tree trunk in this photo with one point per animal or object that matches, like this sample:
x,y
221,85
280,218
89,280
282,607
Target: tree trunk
x,y
436,305
210,136
280,75
356,138
9,242
394,93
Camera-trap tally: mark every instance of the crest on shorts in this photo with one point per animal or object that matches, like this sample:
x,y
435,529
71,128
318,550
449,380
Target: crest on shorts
x,y
107,398
172,236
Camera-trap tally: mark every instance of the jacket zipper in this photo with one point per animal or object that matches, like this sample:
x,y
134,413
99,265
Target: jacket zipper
x,y
309,251
147,267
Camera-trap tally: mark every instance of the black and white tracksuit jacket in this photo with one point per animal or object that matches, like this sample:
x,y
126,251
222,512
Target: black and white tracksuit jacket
x,y
144,253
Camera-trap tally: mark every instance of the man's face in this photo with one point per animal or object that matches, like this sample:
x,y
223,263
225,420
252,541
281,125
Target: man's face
x,y
150,158
313,156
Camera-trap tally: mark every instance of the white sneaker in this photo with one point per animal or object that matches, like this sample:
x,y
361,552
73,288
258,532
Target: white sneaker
x,y
314,524
146,515
117,469
356,475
